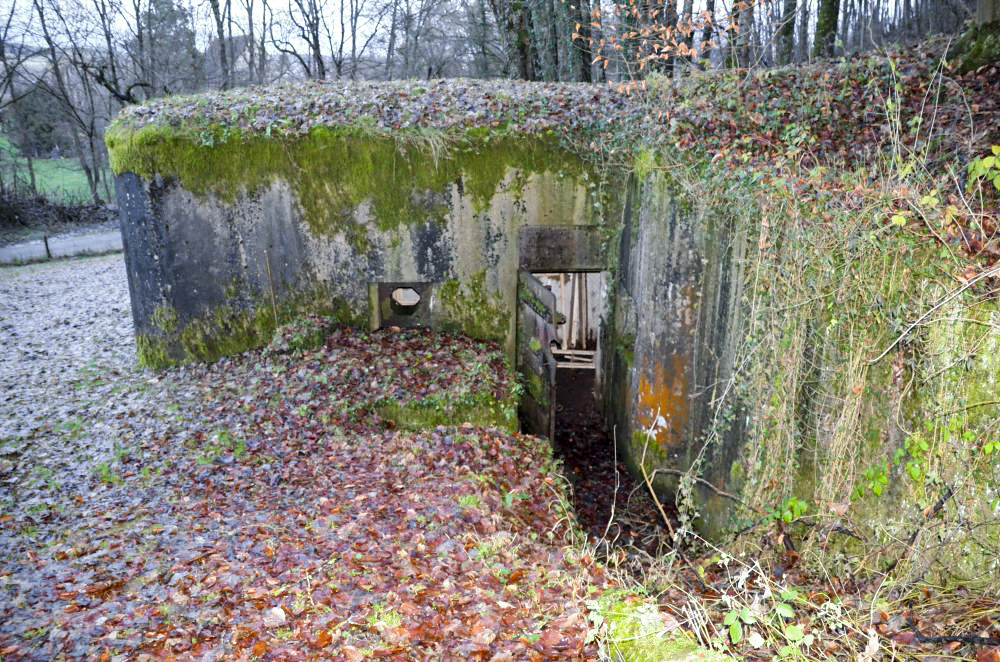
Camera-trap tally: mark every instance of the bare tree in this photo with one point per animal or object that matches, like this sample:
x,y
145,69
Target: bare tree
x,y
12,55
307,20
219,13
77,98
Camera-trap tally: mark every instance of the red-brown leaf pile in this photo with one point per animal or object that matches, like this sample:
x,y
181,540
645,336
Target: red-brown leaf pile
x,y
277,524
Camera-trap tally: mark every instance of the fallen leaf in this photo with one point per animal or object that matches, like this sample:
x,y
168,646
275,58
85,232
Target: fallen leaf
x,y
351,653
274,617
322,639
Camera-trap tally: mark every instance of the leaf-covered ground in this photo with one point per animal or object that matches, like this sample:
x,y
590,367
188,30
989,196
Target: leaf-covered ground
x,y
276,515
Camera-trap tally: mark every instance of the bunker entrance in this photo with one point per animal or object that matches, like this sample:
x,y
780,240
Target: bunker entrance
x,y
559,316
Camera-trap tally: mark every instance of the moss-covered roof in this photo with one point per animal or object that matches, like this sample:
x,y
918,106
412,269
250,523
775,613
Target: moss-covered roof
x,y
841,111
297,107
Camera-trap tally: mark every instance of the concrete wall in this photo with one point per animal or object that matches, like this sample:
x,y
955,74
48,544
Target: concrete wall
x,y
255,258
670,344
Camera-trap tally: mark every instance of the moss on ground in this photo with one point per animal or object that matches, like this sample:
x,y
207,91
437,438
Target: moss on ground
x,y
232,330
480,409
636,631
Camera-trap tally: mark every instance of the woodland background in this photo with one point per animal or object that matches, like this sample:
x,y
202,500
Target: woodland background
x,y
69,67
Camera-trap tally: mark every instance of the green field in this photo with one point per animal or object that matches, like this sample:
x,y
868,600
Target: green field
x,y
59,180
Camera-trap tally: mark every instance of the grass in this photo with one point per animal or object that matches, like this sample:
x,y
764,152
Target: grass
x,y
59,180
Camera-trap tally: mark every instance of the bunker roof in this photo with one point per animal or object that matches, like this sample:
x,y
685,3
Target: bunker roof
x,y
452,104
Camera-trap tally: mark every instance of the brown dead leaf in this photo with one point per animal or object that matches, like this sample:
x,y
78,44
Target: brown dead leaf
x,y
483,636
398,636
839,509
988,655
322,639
351,653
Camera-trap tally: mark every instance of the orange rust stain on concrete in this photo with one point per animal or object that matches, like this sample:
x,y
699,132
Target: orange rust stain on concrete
x,y
663,400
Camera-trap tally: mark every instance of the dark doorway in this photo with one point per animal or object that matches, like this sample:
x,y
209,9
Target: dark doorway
x,y
558,327
610,505
561,305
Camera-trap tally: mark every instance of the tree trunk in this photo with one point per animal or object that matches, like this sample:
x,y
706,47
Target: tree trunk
x,y
707,33
803,49
742,53
583,43
786,33
553,40
987,11
525,57
390,49
31,172
826,27
220,33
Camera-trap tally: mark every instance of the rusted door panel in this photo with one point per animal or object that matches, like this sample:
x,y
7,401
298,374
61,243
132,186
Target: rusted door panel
x,y
536,313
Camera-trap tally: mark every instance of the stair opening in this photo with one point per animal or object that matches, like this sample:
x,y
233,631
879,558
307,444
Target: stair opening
x,y
615,510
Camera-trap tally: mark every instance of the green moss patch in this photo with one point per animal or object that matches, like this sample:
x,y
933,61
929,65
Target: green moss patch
x,y
231,330
635,630
474,310
978,47
479,409
333,171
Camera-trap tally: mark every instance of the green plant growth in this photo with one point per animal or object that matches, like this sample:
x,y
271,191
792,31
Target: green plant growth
x,y
985,169
630,629
59,180
107,475
235,328
221,442
470,308
334,170
480,409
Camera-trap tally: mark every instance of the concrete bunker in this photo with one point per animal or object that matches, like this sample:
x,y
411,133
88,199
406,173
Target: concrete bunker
x,y
446,228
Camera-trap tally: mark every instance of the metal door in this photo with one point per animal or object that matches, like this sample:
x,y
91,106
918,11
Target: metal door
x,y
536,313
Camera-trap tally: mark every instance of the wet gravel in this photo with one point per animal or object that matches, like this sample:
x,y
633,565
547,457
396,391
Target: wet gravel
x,y
72,401
63,326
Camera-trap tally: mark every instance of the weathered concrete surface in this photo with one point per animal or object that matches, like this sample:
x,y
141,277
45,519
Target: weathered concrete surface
x,y
189,256
561,248
671,343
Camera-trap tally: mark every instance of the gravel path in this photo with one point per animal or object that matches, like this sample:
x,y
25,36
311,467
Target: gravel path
x,y
74,405
61,324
